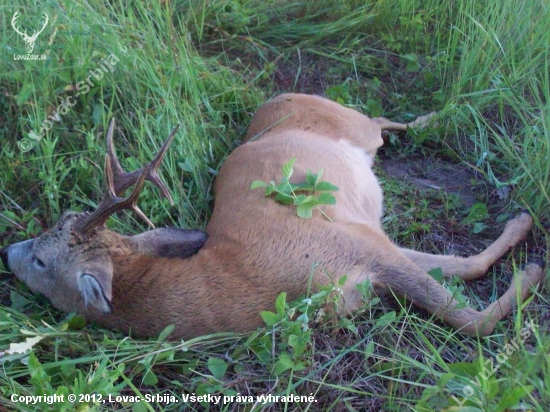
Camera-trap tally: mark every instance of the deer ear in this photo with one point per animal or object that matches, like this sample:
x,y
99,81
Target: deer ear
x,y
170,242
95,286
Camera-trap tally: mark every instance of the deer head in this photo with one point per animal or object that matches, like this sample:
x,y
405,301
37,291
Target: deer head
x,y
73,264
29,40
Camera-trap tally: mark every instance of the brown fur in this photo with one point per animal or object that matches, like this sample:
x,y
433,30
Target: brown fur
x,y
258,248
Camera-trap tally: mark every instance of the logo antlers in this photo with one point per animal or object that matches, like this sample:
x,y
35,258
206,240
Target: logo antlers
x,y
29,40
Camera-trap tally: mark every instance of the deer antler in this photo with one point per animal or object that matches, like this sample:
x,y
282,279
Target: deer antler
x,y
118,181
24,34
29,40
36,33
13,21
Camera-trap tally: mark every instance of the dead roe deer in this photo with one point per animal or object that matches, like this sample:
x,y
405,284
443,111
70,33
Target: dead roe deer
x,y
255,248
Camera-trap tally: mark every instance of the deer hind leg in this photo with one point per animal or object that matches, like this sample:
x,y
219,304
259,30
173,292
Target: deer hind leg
x,y
476,266
420,122
389,269
412,282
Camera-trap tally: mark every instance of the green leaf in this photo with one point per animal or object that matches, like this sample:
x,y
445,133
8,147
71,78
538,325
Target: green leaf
x,y
502,217
284,198
302,199
311,180
413,64
444,379
97,113
280,304
257,184
478,227
364,287
298,343
283,187
167,331
284,363
186,166
285,192
303,318
326,199
25,93
348,324
305,211
288,168
270,189
369,350
150,379
19,302
318,177
270,318
217,367
299,187
511,399
478,212
326,187
39,378
319,295
464,369
437,274
386,319
77,322
139,407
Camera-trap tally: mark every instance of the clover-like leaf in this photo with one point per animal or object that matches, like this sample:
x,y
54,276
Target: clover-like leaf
x,y
326,199
326,187
305,211
285,192
257,184
288,168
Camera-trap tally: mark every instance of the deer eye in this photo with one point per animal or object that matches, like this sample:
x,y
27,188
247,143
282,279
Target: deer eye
x,y
37,262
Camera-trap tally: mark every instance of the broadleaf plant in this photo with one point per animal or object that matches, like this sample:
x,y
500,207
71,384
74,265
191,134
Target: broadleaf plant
x,y
287,193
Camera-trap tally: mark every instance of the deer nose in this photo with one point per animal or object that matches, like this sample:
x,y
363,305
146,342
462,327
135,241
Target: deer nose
x,y
4,257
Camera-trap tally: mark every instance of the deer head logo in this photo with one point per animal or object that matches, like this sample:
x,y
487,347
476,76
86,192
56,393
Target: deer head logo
x,y
29,40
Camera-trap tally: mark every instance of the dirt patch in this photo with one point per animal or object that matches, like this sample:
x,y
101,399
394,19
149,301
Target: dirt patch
x,y
434,174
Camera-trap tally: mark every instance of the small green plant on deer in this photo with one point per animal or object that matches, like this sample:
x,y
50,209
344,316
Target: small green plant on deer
x,y
286,192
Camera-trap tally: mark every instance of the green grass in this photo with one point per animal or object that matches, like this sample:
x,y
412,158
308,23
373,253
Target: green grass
x,y
207,66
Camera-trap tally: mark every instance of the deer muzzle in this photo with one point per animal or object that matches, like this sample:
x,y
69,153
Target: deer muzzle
x,y
16,255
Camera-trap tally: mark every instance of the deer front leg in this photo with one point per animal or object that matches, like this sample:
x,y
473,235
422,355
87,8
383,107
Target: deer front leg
x,y
476,266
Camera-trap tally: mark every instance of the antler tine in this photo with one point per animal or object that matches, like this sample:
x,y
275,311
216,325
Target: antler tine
x,y
112,203
36,33
117,181
13,22
123,180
